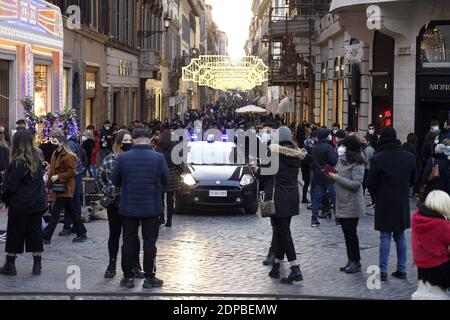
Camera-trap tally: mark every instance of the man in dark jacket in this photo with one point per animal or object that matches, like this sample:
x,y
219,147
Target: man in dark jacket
x,y
323,154
392,173
140,173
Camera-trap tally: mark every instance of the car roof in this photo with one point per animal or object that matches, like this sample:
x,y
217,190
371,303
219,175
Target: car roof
x,y
208,144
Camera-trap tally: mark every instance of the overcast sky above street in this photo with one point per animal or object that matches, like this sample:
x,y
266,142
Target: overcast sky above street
x,y
233,17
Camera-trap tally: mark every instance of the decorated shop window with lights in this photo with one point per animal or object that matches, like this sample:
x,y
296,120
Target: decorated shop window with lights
x,y
434,43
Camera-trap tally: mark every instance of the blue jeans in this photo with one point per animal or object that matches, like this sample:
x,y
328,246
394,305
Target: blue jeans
x,y
319,193
385,249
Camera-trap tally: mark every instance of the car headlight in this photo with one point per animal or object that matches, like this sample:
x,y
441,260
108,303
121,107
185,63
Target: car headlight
x,y
246,180
189,180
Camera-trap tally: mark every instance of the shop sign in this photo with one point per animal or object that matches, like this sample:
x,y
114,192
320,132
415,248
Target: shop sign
x,y
125,68
90,85
434,87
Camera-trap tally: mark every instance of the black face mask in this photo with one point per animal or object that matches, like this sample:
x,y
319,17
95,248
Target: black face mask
x,y
126,147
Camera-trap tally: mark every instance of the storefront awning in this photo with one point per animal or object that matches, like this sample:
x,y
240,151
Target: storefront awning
x,y
34,22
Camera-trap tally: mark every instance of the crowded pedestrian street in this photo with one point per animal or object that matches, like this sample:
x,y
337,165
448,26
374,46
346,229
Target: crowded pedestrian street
x,y
247,155
214,256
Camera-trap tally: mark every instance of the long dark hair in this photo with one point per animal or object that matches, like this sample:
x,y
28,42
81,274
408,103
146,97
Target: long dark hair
x,y
24,150
354,157
165,142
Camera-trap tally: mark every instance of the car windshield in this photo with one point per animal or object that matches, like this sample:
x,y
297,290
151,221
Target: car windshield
x,y
210,154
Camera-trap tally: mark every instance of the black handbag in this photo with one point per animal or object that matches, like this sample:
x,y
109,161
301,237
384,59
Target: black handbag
x,y
59,187
106,201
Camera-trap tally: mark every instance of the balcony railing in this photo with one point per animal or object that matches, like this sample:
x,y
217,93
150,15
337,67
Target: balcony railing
x,y
149,60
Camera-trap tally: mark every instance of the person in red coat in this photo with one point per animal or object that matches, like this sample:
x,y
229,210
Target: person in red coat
x,y
431,240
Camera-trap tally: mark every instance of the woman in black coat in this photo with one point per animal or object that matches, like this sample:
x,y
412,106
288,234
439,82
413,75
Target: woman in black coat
x,y
165,147
440,183
4,156
24,196
287,203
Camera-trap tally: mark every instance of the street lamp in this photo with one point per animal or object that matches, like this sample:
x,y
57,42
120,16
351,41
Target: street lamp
x,y
147,34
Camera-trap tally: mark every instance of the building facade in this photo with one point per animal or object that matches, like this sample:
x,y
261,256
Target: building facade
x,y
405,60
31,58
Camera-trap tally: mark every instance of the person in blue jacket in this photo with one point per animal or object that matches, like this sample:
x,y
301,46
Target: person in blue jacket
x,y
140,173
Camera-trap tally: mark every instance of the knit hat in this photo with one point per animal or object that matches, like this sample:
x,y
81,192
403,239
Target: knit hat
x,y
352,144
285,134
388,135
323,134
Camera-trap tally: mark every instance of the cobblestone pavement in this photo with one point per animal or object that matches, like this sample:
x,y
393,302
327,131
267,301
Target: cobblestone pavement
x,y
212,256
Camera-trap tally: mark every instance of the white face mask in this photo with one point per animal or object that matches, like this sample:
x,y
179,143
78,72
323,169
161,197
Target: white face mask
x,y
335,131
372,132
84,139
330,138
342,150
435,129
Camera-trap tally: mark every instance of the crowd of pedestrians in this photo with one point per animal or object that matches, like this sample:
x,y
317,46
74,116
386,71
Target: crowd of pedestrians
x,y
133,169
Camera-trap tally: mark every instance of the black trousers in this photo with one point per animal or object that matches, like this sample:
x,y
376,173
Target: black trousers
x,y
24,230
150,233
170,196
306,175
273,243
67,205
349,227
115,231
283,239
372,196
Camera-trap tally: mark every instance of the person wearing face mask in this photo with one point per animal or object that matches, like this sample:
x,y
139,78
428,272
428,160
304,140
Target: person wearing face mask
x,y
63,170
123,143
323,154
368,152
88,144
350,202
334,132
434,133
372,136
106,136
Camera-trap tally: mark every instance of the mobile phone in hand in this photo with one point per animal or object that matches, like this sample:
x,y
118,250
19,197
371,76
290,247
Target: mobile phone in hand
x,y
329,169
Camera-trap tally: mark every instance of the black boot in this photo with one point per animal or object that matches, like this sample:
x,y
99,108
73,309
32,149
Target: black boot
x,y
269,259
37,266
111,270
275,272
345,267
9,269
354,267
294,276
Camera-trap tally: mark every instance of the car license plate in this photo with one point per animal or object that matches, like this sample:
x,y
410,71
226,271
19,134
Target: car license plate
x,y
218,194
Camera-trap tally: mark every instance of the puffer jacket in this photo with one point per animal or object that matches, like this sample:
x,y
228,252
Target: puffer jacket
x,y
173,184
140,173
430,238
350,202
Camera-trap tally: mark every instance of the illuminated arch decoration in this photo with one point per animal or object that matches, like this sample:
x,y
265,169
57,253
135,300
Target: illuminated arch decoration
x,y
221,72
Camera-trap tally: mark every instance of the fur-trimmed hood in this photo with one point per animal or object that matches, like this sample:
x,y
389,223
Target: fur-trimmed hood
x,y
288,152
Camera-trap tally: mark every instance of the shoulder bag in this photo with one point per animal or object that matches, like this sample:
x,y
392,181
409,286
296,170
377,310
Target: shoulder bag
x,y
59,187
268,207
434,174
